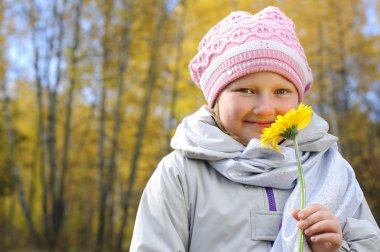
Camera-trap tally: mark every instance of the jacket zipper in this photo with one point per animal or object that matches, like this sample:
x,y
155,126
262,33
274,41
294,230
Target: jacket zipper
x,y
272,203
271,199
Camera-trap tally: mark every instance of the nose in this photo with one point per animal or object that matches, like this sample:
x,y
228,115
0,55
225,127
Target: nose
x,y
264,106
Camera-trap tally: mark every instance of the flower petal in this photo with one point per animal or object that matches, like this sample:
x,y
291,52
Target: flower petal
x,y
297,119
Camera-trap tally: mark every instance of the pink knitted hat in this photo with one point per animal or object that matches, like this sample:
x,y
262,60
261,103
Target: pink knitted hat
x,y
243,43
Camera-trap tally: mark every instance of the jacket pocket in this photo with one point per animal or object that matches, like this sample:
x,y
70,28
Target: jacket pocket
x,y
265,225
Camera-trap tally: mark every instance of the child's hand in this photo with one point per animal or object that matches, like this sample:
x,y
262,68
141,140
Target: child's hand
x,y
321,227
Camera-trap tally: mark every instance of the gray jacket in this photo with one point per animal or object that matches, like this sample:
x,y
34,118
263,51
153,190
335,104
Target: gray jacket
x,y
188,206
213,194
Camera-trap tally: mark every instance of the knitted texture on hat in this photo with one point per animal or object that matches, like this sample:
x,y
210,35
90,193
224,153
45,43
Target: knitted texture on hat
x,y
243,43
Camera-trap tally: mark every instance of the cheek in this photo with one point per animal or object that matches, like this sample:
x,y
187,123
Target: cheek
x,y
227,115
283,108
230,115
225,106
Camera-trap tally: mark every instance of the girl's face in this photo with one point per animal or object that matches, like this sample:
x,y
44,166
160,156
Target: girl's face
x,y
252,103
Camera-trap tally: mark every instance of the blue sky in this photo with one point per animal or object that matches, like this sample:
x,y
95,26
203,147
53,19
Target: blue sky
x,y
171,4
372,26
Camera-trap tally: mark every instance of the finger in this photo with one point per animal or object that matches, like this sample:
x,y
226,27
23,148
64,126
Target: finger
x,y
324,226
315,218
332,240
295,214
309,210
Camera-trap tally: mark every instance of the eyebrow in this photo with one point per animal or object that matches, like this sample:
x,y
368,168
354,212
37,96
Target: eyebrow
x,y
242,83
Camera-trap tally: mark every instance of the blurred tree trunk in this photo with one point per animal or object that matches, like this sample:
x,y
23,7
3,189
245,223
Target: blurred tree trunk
x,y
55,51
321,73
47,46
343,72
172,122
152,78
12,163
41,124
10,222
69,108
123,56
107,12
3,218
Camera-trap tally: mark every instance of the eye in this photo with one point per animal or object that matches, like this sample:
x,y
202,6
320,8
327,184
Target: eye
x,y
245,91
282,91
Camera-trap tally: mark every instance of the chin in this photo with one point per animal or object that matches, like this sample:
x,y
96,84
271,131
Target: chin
x,y
247,140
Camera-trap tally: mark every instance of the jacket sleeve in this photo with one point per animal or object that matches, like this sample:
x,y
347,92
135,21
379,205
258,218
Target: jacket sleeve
x,y
361,232
162,220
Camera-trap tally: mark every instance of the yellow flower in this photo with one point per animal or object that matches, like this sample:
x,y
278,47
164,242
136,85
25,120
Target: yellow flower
x,y
287,126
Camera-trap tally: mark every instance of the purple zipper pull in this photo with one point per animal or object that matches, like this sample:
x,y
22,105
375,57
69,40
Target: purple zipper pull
x,y
272,202
271,199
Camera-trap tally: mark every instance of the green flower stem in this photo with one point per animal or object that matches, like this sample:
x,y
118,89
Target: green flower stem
x,y
303,193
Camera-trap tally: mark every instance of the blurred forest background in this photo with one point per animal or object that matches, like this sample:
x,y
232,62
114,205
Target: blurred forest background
x,y
92,90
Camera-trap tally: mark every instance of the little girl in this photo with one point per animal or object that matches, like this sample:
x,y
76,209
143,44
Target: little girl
x,y
220,190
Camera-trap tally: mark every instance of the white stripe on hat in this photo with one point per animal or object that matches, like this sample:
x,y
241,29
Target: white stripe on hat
x,y
251,46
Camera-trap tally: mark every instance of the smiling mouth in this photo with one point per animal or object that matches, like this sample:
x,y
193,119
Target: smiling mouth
x,y
260,124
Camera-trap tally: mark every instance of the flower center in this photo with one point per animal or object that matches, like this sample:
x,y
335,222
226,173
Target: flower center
x,y
290,133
